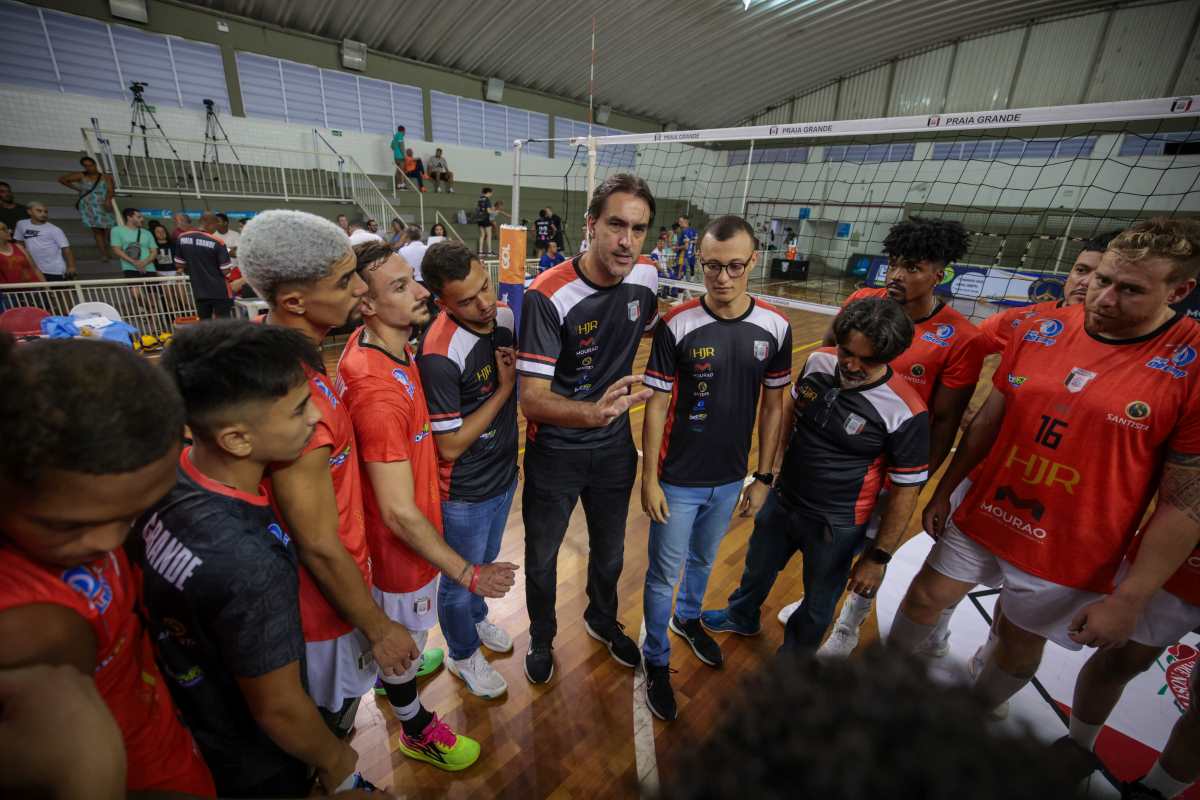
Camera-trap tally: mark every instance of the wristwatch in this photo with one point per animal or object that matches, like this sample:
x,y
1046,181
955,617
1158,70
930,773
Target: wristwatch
x,y
879,556
766,477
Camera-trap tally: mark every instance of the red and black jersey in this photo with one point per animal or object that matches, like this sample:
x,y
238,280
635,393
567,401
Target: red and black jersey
x,y
583,338
1087,424
458,373
845,441
996,330
945,350
713,368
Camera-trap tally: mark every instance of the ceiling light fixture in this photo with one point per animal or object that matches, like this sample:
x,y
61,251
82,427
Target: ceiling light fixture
x,y
745,5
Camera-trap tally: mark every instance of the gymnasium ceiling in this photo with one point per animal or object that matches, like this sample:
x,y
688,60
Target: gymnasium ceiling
x,y
700,63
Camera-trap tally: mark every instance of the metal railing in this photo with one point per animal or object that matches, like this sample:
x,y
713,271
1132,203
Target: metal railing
x,y
149,304
413,188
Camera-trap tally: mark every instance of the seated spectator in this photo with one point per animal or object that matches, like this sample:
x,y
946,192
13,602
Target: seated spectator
x,y
373,226
397,237
439,172
360,234
46,244
412,250
550,258
413,168
343,222
15,264
436,234
165,259
96,191
11,212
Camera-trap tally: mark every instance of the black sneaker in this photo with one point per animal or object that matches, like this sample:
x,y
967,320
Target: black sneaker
x,y
1136,790
1077,761
539,662
703,645
623,649
659,695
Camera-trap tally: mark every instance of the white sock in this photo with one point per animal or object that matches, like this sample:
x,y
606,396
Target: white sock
x,y
1085,734
996,686
1160,781
906,635
854,611
941,630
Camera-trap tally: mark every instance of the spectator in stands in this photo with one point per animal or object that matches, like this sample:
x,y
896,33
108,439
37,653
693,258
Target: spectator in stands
x,y
398,154
412,250
550,258
483,218
436,234
15,264
397,237
360,234
46,244
11,212
559,235
496,213
414,169
96,192
164,260
373,226
229,235
133,245
205,259
343,222
439,172
583,239
183,224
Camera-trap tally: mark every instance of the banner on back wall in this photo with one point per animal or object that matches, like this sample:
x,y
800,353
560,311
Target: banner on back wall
x,y
512,268
1002,287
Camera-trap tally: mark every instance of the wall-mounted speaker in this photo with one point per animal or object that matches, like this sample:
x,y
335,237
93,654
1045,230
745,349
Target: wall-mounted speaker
x,y
354,55
602,114
495,90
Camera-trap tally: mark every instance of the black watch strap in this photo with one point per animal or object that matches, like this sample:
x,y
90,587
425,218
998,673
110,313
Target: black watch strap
x,y
766,477
879,556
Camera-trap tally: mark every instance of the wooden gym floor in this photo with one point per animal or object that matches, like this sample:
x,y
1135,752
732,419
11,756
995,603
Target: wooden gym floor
x,y
575,737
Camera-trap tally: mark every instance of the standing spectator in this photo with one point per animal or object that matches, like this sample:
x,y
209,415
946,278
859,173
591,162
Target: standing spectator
x,y
439,172
550,258
685,245
94,202
412,250
436,234
230,236
203,257
559,234
11,212
183,224
483,218
343,222
543,232
46,244
15,265
496,213
164,261
398,155
413,168
133,245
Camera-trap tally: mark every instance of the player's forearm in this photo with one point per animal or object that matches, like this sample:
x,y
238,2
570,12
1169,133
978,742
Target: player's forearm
x,y
901,502
975,444
452,445
342,584
548,408
652,436
942,431
1167,541
409,525
770,431
293,723
70,256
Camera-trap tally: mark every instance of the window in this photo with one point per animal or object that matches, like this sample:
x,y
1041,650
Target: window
x,y
1158,144
871,153
773,155
46,49
1014,149
327,98
474,123
623,155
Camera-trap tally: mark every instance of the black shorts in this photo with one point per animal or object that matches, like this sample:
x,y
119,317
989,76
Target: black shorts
x,y
54,278
133,273
214,309
485,226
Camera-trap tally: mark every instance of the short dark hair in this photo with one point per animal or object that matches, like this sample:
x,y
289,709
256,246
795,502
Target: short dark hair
x,y
727,226
400,128
621,182
486,190
223,217
82,405
882,321
1098,244
445,262
807,728
927,239
88,158
219,364
367,255
128,212
6,183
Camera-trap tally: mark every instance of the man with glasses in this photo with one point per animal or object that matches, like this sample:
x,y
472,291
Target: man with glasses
x,y
854,422
709,359
942,365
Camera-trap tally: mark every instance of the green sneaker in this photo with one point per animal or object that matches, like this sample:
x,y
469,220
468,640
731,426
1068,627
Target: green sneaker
x,y
431,659
440,746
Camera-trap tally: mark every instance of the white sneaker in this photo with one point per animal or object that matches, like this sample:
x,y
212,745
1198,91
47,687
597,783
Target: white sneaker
x,y
493,636
974,667
840,644
786,612
450,189
481,678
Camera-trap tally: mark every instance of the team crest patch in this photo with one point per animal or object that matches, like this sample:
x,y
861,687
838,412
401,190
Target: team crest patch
x,y
1078,378
405,381
92,586
1138,409
635,310
854,425
760,350
917,370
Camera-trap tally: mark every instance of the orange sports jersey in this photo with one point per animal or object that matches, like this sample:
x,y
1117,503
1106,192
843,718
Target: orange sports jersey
x,y
1086,427
1185,583
996,330
159,751
944,350
320,620
387,404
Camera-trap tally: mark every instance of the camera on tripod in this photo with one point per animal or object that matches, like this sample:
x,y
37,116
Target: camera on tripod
x,y
137,87
208,103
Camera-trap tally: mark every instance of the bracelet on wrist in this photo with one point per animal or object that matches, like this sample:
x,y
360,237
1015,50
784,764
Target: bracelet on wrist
x,y
462,576
474,580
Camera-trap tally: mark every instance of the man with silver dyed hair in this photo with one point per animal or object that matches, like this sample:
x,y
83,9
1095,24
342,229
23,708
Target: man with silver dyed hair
x,y
302,265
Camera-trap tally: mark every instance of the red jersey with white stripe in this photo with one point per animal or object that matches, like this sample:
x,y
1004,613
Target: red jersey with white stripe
x,y
387,403
714,369
945,350
1087,424
159,751
996,330
320,619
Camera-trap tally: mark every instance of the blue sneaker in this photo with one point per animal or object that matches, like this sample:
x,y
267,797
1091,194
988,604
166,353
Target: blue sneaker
x,y
720,622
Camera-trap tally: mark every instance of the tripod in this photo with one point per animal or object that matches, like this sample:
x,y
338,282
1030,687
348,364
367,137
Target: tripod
x,y
140,115
214,134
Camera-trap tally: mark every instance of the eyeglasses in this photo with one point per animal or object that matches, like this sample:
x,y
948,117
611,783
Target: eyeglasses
x,y
735,268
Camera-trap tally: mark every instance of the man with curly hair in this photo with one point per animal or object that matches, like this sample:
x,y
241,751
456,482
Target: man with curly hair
x,y
942,364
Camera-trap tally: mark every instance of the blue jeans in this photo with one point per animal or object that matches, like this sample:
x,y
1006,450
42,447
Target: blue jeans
x,y
828,555
698,522
473,530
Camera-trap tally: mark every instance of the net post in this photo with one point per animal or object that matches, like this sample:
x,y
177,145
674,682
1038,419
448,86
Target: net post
x,y
746,187
516,182
591,168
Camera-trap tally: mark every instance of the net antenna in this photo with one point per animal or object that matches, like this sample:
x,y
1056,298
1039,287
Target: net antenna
x,y
214,136
1028,185
141,115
